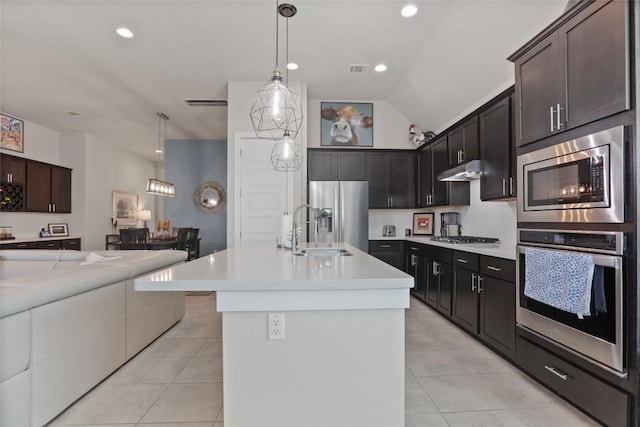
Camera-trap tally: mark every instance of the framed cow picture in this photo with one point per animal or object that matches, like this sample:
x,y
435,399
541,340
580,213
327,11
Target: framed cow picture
x,y
346,124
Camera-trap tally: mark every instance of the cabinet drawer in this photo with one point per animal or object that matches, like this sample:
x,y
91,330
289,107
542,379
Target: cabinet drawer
x,y
465,260
499,268
385,245
415,249
604,402
71,244
22,245
52,244
440,254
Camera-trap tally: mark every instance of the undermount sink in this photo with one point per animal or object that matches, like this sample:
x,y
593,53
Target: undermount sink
x,y
323,252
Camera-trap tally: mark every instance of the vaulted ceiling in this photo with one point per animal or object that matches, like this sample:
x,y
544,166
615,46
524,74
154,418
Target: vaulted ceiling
x,y
64,56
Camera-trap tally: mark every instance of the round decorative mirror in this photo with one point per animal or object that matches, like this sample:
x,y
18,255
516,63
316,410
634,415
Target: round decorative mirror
x,y
209,197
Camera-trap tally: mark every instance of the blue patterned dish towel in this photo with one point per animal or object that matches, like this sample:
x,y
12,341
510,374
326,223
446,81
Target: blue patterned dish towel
x,y
560,279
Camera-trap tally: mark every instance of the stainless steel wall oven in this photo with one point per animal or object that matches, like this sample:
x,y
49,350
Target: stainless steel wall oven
x,y
581,180
600,337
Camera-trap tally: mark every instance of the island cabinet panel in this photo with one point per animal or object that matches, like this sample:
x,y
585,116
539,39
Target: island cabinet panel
x,y
463,142
336,165
48,188
497,151
389,251
50,244
577,74
69,244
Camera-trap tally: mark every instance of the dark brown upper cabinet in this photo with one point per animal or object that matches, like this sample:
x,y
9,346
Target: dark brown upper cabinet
x,y
433,160
498,180
392,179
574,73
328,165
48,188
463,142
13,169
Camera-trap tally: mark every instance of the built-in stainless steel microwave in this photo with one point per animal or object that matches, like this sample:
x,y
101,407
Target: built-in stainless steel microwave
x,y
581,180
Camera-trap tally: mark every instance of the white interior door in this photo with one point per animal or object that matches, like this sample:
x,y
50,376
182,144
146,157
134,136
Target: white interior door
x,y
262,192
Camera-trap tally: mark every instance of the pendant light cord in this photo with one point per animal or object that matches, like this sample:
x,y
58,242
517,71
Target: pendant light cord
x,y
276,35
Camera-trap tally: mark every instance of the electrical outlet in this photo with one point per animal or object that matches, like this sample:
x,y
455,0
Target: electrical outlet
x,y
275,324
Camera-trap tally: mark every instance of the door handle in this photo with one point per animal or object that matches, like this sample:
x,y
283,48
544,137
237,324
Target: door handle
x,y
551,117
385,246
511,186
492,268
479,280
390,201
436,268
461,156
559,124
473,282
462,260
504,186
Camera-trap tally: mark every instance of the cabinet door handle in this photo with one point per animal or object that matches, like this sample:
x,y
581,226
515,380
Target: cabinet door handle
x,y
413,249
559,123
436,268
504,186
479,279
473,281
462,260
385,246
21,245
551,117
9,177
511,186
461,156
490,267
556,372
391,201
54,207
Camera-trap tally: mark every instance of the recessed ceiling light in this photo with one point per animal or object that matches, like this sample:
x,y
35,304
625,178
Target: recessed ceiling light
x,y
380,68
292,66
159,151
125,32
409,10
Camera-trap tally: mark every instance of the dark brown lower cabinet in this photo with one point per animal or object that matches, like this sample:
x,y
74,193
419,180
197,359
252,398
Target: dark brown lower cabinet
x,y
389,251
68,244
602,401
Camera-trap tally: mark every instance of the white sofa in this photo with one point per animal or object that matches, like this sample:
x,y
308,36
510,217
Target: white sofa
x,y
64,327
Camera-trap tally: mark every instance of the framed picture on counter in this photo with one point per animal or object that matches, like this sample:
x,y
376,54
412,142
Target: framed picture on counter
x,y
58,229
423,224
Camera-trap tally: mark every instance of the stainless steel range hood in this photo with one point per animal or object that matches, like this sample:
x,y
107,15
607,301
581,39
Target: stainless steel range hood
x,y
465,172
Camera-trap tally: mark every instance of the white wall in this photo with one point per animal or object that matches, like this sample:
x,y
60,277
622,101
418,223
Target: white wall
x,y
390,127
98,168
241,96
485,219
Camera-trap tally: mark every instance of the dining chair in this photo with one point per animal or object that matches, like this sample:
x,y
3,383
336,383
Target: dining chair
x,y
183,235
142,237
128,239
192,244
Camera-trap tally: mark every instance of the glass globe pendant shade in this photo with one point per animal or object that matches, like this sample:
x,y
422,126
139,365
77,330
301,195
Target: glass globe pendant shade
x,y
276,109
286,155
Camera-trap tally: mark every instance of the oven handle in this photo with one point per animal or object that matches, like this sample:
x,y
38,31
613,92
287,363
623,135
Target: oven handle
x,y
612,261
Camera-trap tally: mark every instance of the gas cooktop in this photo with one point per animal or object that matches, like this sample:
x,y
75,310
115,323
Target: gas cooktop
x,y
464,239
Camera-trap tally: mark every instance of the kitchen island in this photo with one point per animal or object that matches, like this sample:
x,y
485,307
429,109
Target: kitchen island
x,y
338,354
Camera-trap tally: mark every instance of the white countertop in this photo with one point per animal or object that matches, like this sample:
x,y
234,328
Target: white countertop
x,y
499,250
263,267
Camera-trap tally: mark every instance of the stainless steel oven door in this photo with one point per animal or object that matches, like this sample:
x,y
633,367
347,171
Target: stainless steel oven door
x,y
598,338
594,162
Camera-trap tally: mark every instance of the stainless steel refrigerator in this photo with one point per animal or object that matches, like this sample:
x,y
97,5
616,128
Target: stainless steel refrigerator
x,y
343,212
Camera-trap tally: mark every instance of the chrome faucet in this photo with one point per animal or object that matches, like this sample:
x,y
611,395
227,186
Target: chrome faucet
x,y
295,239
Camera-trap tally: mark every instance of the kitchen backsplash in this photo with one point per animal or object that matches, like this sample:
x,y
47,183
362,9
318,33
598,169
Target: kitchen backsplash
x,y
486,219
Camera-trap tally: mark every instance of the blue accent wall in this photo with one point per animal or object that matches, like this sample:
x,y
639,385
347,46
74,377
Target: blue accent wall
x,y
188,163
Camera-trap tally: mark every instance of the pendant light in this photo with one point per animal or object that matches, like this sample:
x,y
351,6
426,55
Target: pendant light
x,y
155,186
286,155
275,108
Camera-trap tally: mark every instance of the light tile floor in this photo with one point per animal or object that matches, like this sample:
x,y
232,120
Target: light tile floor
x,y
451,381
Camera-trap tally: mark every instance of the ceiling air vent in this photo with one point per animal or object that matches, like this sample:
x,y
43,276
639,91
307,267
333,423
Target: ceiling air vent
x,y
206,102
74,113
359,68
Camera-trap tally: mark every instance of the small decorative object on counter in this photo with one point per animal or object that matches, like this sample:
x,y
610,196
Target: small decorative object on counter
x,y
44,233
6,233
407,232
